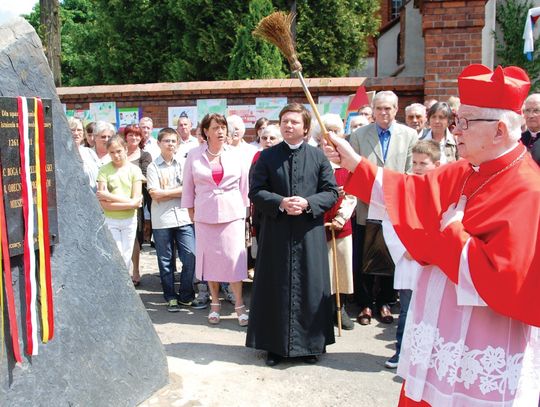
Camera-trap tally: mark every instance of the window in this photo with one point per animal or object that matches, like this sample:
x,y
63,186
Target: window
x,y
396,5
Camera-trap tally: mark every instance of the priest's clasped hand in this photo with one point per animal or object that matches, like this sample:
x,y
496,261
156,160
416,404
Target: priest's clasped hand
x,y
454,213
294,205
341,152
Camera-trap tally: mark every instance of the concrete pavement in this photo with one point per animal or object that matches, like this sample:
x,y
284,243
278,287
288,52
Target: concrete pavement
x,y
210,366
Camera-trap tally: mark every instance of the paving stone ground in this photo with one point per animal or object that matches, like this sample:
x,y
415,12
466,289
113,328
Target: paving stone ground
x,y
210,366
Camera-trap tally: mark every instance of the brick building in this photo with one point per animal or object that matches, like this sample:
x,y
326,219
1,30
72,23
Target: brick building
x,y
435,40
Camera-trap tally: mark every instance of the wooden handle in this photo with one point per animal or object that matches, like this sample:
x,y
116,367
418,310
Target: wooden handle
x,y
336,277
324,132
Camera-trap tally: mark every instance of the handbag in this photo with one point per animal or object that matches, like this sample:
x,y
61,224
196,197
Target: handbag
x,y
376,256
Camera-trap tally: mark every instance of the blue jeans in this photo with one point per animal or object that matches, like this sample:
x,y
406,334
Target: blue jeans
x,y
404,301
184,239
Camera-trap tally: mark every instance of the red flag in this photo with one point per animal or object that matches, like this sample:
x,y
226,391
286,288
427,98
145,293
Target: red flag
x,y
360,99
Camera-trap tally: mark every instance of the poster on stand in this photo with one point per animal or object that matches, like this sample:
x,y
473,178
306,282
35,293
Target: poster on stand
x,y
84,115
128,115
175,112
105,111
269,107
205,106
246,112
348,122
333,104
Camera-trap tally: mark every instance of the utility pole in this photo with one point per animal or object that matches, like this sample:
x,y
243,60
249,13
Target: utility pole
x,y
49,19
292,5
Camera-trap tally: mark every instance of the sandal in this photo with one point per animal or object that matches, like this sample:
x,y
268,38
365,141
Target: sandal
x,y
243,318
214,317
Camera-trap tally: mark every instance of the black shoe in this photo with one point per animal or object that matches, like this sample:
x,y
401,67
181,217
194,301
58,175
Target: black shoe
x,y
346,322
272,359
311,359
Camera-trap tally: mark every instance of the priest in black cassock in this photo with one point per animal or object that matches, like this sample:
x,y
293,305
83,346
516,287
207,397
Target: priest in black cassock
x,y
292,185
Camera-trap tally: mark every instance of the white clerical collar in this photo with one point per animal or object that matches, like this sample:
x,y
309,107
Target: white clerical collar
x,y
294,146
476,168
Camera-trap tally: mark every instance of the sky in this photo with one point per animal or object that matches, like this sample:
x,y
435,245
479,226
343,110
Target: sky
x,y
13,8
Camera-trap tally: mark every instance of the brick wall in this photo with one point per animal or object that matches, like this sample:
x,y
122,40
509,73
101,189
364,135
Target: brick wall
x,y
154,99
385,11
453,39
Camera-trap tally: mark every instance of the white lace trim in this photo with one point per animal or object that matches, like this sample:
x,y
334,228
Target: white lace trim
x,y
490,369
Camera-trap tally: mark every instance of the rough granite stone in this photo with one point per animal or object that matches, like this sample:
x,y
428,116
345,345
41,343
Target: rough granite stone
x,y
105,351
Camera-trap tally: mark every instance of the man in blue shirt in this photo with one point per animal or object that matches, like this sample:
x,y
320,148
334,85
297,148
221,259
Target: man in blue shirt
x,y
388,144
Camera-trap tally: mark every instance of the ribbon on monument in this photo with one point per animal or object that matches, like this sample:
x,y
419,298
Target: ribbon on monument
x,y
1,303
29,263
45,283
8,284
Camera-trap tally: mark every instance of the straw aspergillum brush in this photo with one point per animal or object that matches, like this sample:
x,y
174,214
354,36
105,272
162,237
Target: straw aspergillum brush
x,y
276,29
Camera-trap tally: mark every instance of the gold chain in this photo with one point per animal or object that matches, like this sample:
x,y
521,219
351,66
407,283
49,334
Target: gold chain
x,y
520,157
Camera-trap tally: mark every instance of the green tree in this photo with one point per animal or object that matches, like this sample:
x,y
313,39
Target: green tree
x,y
208,37
142,41
134,39
78,27
510,17
332,36
253,58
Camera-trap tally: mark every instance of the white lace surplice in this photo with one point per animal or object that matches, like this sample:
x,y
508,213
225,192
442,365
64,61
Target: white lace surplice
x,y
457,351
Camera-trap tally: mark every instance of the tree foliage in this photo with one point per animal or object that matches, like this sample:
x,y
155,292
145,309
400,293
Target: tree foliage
x,y
510,43
252,57
209,35
332,35
143,41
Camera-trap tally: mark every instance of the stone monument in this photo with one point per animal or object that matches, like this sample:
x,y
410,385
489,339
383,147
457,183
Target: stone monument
x,y
105,351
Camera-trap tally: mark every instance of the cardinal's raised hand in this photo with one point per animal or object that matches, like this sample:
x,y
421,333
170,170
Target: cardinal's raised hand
x,y
341,152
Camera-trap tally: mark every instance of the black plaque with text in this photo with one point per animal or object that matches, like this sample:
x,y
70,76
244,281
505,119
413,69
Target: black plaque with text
x,y
11,163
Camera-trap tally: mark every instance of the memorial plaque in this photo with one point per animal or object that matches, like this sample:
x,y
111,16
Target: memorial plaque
x,y
11,171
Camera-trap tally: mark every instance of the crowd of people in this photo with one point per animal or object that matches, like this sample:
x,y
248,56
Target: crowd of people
x,y
358,216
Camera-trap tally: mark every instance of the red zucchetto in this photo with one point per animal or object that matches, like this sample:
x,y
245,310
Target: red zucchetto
x,y
504,88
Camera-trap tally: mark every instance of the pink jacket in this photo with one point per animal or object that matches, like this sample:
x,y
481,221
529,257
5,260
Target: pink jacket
x,y
215,203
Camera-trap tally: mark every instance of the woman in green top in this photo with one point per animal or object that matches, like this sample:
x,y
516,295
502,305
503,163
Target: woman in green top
x,y
119,191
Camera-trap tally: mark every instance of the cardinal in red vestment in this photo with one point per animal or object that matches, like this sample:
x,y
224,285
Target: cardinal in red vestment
x,y
472,336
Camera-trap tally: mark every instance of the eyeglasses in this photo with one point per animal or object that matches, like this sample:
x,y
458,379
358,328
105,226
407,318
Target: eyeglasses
x,y
534,112
168,140
463,123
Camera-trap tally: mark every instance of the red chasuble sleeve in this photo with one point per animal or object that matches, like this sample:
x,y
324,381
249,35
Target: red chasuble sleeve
x,y
414,206
502,222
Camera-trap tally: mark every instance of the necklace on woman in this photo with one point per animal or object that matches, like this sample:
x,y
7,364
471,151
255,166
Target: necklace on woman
x,y
212,154
516,160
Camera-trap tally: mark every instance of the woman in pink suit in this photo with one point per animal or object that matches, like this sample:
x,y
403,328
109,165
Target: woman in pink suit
x,y
215,192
